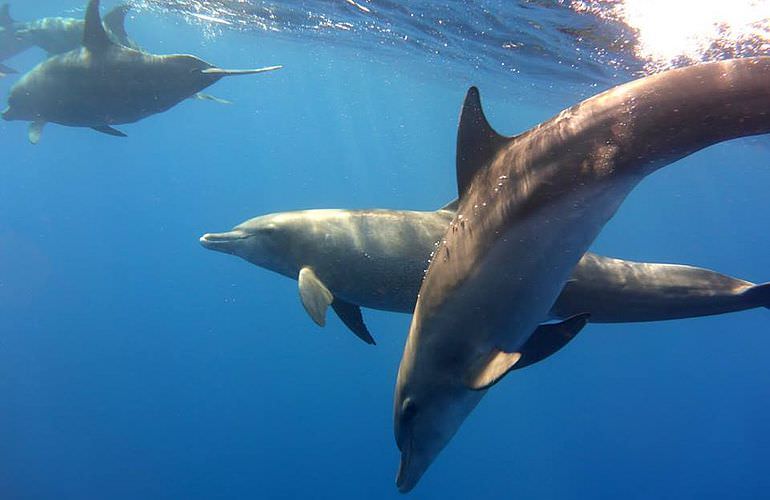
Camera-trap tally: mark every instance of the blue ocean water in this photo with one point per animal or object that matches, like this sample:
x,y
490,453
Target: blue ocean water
x,y
136,364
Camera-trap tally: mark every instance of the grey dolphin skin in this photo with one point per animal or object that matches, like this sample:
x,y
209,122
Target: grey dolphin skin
x,y
530,206
376,259
10,43
104,84
57,35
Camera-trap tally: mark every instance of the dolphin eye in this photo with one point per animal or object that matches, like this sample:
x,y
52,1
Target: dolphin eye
x,y
408,409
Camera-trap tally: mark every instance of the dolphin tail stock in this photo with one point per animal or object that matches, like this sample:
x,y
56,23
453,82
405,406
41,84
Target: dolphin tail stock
x,y
235,72
758,295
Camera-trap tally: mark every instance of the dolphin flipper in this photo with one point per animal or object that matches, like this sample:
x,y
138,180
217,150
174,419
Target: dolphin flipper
x,y
106,129
208,97
545,341
316,298
35,132
758,295
549,339
350,314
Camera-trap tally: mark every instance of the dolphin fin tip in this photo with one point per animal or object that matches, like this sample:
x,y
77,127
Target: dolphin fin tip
x,y
759,295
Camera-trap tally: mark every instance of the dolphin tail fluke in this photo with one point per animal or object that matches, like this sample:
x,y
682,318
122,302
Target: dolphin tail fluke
x,y
759,295
234,72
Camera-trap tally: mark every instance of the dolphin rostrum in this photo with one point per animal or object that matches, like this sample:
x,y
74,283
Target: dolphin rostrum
x,y
376,258
103,84
530,206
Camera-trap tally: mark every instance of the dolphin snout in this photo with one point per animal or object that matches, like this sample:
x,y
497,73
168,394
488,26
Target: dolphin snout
x,y
223,242
410,470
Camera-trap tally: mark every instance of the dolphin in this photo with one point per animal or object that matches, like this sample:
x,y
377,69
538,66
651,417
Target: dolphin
x,y
57,35
10,42
103,84
530,206
376,259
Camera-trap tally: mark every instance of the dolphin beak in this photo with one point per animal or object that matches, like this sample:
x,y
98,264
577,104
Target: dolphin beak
x,y
409,473
222,242
7,114
233,72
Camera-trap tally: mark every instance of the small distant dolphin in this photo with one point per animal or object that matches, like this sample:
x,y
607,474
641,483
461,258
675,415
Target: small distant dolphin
x,y
530,206
104,84
10,43
376,258
57,35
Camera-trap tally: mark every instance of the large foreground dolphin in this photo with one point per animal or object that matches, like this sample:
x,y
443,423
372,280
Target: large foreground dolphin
x,y
530,206
376,258
103,84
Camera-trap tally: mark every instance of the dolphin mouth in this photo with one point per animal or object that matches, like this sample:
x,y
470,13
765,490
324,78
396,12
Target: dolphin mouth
x,y
405,481
222,241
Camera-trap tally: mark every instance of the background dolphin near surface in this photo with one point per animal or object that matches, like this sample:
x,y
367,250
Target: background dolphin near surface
x,y
104,83
530,207
376,258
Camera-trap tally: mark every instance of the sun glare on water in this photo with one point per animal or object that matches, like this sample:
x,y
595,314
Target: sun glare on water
x,y
671,32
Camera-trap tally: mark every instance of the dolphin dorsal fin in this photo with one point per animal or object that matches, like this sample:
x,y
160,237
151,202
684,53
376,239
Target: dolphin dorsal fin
x,y
477,142
6,21
115,21
95,38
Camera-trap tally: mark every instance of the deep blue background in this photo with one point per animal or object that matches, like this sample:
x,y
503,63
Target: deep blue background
x,y
136,364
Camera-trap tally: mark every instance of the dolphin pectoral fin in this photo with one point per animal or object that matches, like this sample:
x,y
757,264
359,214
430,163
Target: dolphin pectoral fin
x,y
350,314
95,38
115,21
451,206
549,339
208,97
6,21
759,295
5,70
545,341
491,369
35,132
314,294
106,129
477,142
233,72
